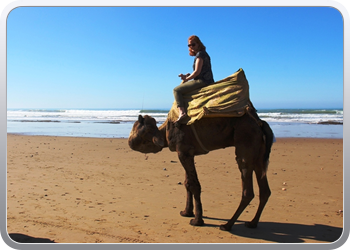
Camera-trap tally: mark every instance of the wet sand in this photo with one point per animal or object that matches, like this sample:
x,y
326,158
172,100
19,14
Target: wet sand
x,y
87,190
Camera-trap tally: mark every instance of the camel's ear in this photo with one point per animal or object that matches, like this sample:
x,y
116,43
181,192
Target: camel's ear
x,y
141,119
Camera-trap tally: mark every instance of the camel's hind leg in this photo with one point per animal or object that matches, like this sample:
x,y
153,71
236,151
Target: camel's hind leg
x,y
264,194
250,150
247,193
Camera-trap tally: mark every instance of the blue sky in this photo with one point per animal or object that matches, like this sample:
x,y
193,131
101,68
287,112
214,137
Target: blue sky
x,y
130,57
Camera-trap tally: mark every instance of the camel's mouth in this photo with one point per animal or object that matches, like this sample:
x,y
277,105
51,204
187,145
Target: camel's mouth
x,y
146,149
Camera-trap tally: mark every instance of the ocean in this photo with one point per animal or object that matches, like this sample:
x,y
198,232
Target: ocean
x,y
117,123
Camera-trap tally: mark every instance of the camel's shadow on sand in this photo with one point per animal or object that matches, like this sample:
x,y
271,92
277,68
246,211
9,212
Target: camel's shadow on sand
x,y
283,232
22,238
269,231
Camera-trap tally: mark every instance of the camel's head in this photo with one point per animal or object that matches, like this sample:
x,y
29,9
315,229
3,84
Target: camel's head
x,y
145,136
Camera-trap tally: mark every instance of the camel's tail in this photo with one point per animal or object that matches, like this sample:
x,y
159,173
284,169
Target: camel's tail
x,y
269,138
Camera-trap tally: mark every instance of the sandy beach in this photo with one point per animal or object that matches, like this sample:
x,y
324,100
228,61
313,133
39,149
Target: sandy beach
x,y
91,190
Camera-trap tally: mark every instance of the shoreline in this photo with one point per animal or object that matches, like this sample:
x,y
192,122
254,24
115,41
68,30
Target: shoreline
x,y
85,190
91,137
122,130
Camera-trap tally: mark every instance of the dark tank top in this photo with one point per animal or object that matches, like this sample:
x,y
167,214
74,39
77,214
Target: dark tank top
x,y
206,73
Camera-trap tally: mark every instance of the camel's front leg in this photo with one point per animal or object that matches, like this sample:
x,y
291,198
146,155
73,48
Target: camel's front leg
x,y
193,189
188,212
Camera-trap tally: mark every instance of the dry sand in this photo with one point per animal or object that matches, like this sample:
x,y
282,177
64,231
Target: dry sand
x,y
87,190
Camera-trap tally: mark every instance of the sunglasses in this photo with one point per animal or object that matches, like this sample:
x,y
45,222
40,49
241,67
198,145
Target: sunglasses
x,y
191,45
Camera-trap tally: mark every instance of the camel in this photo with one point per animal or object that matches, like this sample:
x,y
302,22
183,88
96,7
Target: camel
x,y
251,138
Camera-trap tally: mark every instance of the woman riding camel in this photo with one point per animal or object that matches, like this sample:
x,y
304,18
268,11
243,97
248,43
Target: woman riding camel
x,y
201,76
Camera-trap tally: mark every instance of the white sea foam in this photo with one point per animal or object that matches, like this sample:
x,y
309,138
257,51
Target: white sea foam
x,y
302,116
78,115
102,122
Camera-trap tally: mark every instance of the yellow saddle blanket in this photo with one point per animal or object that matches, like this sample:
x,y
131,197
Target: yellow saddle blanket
x,y
228,97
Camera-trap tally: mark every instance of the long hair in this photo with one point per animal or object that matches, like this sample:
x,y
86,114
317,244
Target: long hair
x,y
196,40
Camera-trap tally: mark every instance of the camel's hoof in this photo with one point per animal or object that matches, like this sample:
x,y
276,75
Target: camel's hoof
x,y
251,224
225,227
185,214
195,222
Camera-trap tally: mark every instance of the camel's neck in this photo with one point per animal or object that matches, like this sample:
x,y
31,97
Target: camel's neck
x,y
162,130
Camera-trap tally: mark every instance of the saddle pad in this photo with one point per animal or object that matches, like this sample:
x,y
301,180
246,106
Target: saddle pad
x,y
228,97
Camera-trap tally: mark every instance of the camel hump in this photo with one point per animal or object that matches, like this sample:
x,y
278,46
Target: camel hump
x,y
251,111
